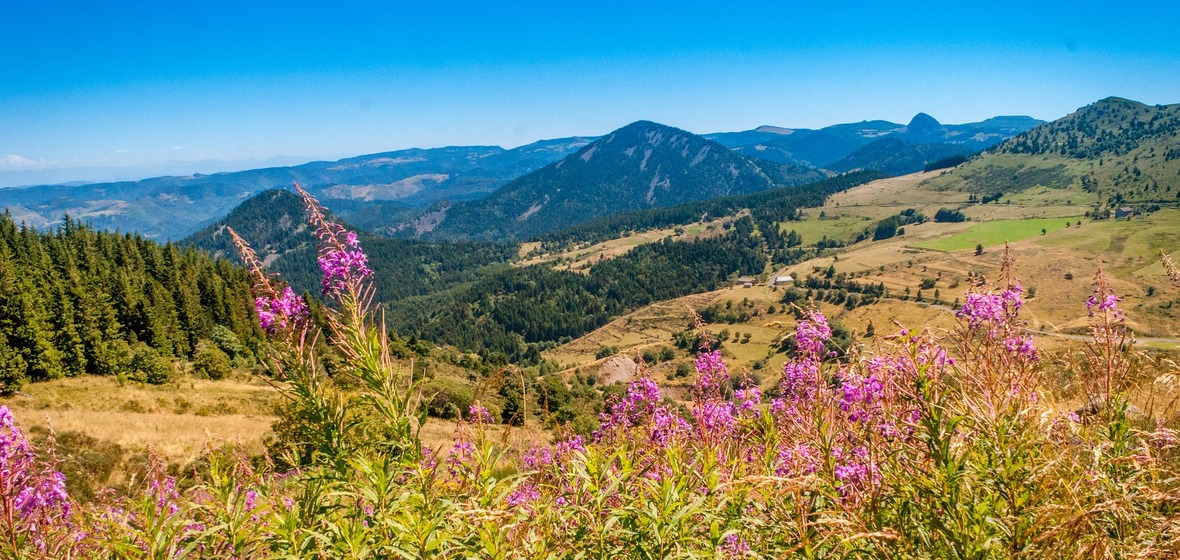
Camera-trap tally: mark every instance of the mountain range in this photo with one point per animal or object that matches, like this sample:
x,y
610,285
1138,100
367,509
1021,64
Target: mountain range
x,y
368,189
642,165
410,192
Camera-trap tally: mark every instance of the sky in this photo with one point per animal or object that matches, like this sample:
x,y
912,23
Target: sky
x,y
116,90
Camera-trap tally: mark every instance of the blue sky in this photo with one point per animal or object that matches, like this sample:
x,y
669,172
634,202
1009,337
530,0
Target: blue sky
x,y
100,89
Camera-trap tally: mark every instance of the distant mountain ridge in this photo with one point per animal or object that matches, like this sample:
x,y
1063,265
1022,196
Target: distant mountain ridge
x,y
826,146
639,166
386,191
389,182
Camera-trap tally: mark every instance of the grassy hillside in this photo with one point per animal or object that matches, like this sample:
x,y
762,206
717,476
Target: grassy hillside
x,y
1109,154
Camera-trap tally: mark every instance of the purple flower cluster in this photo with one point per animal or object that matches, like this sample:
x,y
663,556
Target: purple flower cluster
x,y
734,547
281,312
800,380
855,472
1021,346
1109,302
712,373
860,396
566,448
811,334
343,264
714,417
995,310
536,457
164,491
641,400
460,459
748,399
664,426
796,460
477,414
37,496
524,495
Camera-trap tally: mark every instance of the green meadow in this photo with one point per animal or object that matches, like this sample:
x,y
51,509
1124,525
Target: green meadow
x,y
997,232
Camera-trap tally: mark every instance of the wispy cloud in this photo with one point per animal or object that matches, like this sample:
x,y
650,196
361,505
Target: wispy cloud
x,y
13,161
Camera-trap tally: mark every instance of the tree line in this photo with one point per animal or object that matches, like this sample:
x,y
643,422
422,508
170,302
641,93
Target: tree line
x,y
76,301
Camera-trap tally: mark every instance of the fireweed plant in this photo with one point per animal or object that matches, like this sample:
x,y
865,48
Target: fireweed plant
x,y
919,446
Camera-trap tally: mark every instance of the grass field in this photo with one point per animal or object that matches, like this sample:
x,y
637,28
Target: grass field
x,y
175,420
581,257
179,421
813,228
990,234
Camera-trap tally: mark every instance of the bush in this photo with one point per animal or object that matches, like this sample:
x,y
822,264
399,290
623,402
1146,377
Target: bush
x,y
114,357
210,362
946,215
148,366
552,393
87,463
606,352
447,400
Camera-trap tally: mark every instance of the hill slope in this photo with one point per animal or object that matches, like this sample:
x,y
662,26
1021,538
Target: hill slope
x,y
1110,153
274,224
642,165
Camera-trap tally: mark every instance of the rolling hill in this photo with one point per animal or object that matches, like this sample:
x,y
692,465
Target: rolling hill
x,y
1112,153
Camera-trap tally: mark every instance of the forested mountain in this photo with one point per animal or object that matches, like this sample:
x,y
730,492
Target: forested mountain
x,y
375,188
1115,150
642,165
465,294
776,205
274,223
827,146
74,301
896,156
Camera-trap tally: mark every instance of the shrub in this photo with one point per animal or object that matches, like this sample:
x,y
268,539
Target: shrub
x,y
947,215
606,352
210,362
148,366
447,400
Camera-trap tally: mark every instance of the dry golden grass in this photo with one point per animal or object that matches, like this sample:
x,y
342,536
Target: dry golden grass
x,y
579,258
176,420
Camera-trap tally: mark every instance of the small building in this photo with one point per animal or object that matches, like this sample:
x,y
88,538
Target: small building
x,y
746,281
1124,212
783,280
